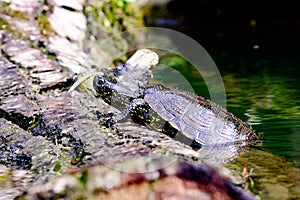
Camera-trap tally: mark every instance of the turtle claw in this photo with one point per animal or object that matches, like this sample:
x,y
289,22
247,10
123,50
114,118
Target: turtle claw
x,y
106,119
110,123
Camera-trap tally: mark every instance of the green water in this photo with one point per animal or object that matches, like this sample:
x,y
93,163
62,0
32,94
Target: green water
x,y
267,98
271,104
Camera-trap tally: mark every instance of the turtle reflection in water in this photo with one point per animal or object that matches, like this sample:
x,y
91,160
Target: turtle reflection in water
x,y
171,110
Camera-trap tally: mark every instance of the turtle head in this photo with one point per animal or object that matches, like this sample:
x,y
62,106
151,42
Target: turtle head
x,y
104,87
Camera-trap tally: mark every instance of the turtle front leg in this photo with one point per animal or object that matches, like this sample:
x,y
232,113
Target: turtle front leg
x,y
140,112
137,110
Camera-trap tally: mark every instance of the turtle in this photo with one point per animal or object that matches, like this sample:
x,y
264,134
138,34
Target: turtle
x,y
170,110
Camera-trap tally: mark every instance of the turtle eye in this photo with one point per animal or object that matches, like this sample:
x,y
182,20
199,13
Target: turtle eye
x,y
100,82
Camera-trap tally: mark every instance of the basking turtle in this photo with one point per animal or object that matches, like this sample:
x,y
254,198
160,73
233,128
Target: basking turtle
x,y
170,110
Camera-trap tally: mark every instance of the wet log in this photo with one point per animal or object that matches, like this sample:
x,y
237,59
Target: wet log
x,y
180,180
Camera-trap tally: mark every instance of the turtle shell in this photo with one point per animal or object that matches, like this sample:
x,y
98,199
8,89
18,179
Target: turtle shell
x,y
197,117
